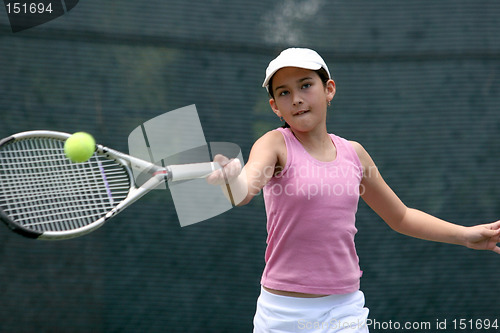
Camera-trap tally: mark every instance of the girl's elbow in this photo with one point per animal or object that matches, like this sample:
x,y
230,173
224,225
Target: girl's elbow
x,y
396,220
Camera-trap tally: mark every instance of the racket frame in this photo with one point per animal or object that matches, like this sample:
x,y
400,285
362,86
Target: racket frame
x,y
158,174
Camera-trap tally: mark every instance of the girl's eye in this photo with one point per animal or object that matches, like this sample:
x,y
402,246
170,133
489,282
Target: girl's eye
x,y
283,93
306,85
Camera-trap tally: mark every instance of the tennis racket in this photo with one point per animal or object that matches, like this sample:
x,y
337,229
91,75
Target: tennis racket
x,y
44,195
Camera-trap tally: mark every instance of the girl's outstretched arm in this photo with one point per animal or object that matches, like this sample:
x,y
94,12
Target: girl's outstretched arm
x,y
380,197
243,184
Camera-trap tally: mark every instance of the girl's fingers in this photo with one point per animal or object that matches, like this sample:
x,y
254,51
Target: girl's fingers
x,y
221,159
231,168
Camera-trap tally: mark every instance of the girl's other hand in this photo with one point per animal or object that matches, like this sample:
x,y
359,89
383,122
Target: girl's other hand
x,y
483,237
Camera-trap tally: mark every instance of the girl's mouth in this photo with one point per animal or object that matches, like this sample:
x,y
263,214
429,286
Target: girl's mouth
x,y
300,112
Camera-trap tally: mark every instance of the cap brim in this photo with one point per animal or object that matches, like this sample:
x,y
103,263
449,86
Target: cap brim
x,y
312,66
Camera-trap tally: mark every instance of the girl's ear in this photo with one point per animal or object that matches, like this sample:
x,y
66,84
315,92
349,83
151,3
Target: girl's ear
x,y
330,89
272,102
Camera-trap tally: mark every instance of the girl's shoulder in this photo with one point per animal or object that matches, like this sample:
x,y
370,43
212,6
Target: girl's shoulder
x,y
363,156
273,143
357,147
272,138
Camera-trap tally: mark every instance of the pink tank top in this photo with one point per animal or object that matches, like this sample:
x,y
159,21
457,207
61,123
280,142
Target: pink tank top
x,y
311,207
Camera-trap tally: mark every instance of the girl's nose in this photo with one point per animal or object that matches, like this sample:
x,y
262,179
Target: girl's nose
x,y
297,99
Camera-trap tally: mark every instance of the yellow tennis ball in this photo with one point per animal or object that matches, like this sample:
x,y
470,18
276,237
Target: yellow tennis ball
x,y
79,147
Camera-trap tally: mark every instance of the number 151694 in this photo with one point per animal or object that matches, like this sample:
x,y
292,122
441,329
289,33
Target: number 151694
x,y
28,8
475,324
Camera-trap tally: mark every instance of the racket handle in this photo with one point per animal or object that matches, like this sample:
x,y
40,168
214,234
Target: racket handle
x,y
191,171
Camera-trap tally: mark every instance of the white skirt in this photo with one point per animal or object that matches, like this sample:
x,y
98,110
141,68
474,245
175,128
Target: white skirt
x,y
334,313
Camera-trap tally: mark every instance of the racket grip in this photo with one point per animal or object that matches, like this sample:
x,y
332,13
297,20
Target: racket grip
x,y
191,171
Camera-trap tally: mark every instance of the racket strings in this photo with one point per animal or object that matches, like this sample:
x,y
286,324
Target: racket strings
x,y
42,190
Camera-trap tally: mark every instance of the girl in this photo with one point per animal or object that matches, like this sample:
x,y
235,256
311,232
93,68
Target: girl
x,y
311,182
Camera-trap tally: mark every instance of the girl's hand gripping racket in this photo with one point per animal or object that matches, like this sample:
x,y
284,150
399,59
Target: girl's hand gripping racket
x,y
44,195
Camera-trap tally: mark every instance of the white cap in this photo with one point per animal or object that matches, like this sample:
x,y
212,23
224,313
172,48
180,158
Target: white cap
x,y
295,57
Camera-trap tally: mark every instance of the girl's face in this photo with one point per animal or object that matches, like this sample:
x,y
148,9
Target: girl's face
x,y
301,98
